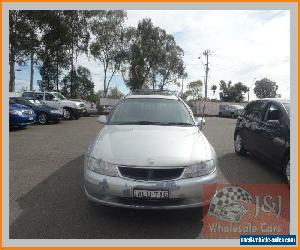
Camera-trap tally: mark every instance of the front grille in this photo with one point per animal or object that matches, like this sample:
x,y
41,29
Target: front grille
x,y
151,174
81,105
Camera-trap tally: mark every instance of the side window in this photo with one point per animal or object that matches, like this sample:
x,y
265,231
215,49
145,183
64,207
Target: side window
x,y
248,109
49,97
255,110
258,111
39,96
274,113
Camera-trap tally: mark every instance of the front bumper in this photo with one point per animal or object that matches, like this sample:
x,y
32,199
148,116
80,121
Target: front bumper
x,y
118,191
24,120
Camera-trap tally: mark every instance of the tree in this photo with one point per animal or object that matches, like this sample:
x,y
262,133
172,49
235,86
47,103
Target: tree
x,y
47,72
55,43
265,88
171,66
108,47
21,36
232,93
153,60
214,88
115,93
76,22
84,84
194,89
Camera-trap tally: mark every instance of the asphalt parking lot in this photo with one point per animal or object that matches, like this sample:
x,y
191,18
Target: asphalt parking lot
x,y
46,193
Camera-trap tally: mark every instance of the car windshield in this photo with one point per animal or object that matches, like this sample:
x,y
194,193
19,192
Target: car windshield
x,y
287,107
59,96
36,102
147,111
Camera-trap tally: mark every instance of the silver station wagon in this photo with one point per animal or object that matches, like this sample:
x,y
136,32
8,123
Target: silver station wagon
x,y
150,154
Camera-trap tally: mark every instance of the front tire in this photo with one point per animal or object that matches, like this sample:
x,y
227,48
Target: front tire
x,y
67,114
238,145
42,118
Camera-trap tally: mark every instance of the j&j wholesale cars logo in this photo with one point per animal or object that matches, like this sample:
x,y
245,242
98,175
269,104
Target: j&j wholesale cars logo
x,y
247,209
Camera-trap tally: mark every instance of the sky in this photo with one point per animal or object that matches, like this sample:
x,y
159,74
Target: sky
x,y
245,46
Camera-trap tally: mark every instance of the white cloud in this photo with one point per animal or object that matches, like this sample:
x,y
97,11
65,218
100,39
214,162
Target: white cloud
x,y
244,44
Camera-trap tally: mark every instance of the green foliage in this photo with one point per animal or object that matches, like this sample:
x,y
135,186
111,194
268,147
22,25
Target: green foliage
x,y
22,40
153,60
232,93
194,90
83,87
109,47
214,88
115,93
265,88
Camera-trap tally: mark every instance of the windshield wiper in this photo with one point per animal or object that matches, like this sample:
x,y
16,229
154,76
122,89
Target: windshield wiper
x,y
153,123
178,123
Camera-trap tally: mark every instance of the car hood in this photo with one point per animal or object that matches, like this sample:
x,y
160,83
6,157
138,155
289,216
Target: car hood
x,y
18,106
149,145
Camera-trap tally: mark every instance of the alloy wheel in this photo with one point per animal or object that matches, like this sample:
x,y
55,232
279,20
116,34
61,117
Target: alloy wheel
x,y
42,118
67,114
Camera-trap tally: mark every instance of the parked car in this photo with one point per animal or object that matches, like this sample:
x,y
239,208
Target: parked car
x,y
107,109
88,108
44,113
56,100
264,130
150,154
230,110
20,115
91,108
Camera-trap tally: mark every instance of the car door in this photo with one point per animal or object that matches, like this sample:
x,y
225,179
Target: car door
x,y
50,100
254,125
273,136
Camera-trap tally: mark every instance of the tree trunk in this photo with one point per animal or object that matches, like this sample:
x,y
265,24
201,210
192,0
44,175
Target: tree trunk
x,y
72,71
104,82
31,70
12,54
12,73
57,67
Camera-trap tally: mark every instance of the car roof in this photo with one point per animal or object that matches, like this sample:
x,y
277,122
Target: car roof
x,y
282,100
151,97
152,94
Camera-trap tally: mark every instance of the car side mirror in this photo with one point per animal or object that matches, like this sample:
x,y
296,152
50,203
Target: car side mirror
x,y
102,119
200,121
274,123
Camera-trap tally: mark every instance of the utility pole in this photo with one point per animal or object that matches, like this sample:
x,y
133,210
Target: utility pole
x,y
206,53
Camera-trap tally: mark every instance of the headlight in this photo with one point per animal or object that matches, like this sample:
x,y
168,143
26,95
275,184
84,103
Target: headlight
x,y
199,169
101,167
15,112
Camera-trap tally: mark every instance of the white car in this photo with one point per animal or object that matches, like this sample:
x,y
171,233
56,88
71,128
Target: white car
x,y
88,108
56,100
150,154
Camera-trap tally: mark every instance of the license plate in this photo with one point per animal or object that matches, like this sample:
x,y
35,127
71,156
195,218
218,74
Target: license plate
x,y
30,118
151,194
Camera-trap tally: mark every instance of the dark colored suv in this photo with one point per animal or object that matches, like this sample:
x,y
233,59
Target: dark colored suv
x,y
263,129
